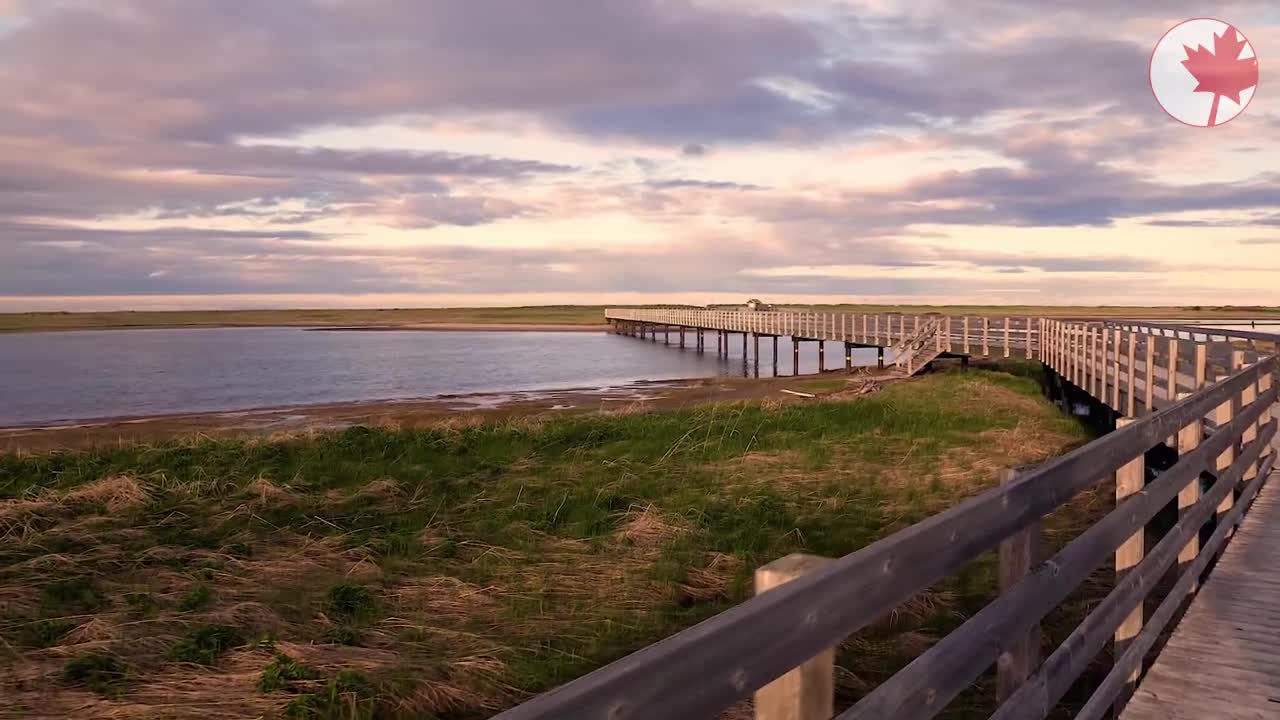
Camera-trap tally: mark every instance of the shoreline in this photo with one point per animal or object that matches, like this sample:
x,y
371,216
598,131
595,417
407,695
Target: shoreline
x,y
461,327
418,413
419,327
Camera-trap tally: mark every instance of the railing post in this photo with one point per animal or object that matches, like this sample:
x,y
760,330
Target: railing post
x,y
1133,368
1150,397
1028,338
1007,340
1248,397
1077,352
966,335
1115,392
1130,479
1221,416
986,336
807,692
1017,554
1090,371
1188,441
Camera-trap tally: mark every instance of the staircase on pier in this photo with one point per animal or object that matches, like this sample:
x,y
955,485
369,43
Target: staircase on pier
x,y
914,352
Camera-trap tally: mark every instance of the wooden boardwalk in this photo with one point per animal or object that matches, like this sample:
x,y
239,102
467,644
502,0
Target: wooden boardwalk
x,y
1207,399
1223,660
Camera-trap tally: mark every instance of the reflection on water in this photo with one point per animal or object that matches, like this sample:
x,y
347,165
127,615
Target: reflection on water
x,y
67,376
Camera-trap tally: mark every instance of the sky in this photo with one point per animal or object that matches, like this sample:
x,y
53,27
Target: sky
x,y
394,153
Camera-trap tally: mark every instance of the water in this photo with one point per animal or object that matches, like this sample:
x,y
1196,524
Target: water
x,y
65,377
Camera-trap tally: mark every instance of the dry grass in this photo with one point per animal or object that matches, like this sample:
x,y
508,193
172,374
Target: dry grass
x,y
115,493
647,530
454,571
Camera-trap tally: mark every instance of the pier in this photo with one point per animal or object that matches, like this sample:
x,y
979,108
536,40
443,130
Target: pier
x,y
1194,412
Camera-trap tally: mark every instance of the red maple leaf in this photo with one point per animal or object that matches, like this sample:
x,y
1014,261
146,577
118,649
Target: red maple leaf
x,y
1222,72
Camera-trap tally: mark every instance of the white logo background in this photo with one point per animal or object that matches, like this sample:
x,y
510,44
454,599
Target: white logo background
x,y
1174,86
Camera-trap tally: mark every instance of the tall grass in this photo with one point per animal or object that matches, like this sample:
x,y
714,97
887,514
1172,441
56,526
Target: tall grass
x,y
460,568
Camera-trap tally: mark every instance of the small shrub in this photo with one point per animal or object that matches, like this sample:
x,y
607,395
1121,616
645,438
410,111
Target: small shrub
x,y
45,633
349,601
140,603
78,594
349,695
282,672
203,646
198,597
342,635
239,550
101,673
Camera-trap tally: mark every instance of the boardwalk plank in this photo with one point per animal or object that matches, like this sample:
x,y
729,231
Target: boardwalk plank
x,y
1223,660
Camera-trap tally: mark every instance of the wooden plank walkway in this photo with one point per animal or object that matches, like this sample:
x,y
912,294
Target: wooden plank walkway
x,y
1223,660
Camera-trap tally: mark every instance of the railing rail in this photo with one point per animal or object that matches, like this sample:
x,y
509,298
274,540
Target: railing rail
x,y
700,671
1012,336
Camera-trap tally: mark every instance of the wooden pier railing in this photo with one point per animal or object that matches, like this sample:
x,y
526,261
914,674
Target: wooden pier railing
x,y
1212,397
968,335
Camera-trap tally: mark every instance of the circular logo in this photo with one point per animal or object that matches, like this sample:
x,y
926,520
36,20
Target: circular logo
x,y
1204,72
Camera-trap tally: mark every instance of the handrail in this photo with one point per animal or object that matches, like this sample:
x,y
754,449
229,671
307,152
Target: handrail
x,y
748,646
1208,331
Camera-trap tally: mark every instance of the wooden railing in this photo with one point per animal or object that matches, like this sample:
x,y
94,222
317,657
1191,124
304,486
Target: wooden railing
x,y
969,335
1224,429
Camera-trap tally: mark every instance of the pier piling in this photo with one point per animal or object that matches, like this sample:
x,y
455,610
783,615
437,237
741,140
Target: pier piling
x,y
795,356
822,356
848,357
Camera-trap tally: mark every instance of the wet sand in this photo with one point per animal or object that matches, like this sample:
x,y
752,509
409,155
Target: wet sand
x,y
427,412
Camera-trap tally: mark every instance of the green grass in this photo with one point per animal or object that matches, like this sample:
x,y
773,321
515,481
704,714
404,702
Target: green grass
x,y
283,672
461,568
204,645
199,597
103,674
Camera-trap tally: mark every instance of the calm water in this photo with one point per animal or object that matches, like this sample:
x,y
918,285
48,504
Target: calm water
x,y
49,378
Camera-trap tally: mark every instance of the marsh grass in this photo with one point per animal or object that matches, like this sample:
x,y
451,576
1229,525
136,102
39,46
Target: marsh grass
x,y
451,572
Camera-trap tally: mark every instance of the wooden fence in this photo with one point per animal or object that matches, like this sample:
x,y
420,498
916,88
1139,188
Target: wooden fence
x,y
968,335
1224,427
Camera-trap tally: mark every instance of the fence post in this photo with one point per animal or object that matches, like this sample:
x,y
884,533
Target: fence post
x,y
808,691
1150,398
1248,397
1008,350
966,335
1130,479
1221,416
1133,374
1188,441
1017,556
1115,390
1028,338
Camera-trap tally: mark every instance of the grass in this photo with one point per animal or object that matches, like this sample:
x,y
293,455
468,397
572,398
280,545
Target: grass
x,y
546,314
103,674
543,314
451,572
204,645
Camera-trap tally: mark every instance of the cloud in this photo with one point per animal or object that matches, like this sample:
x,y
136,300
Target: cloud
x,y
291,64
330,146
